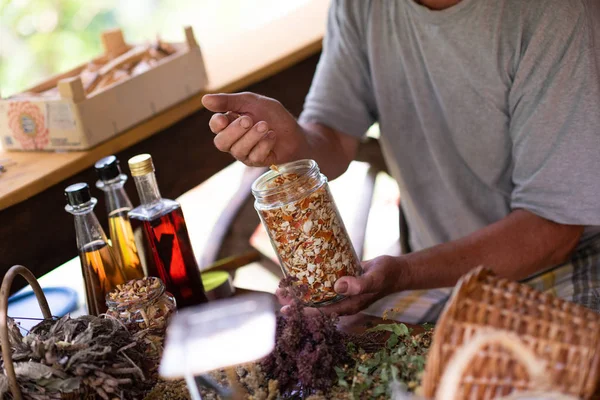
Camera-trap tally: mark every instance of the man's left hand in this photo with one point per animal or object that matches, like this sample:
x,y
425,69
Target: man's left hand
x,y
381,277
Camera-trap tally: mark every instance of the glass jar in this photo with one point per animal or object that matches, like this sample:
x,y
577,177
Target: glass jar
x,y
142,304
299,214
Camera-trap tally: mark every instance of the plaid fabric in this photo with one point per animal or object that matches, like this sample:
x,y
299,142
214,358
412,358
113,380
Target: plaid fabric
x,y
577,280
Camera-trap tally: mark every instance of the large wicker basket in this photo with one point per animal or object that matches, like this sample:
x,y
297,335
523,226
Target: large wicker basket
x,y
565,336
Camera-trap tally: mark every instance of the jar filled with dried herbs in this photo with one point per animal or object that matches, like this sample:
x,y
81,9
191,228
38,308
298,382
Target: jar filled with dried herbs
x,y
298,211
141,304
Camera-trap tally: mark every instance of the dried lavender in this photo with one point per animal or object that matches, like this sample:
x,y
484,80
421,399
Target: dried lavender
x,y
307,350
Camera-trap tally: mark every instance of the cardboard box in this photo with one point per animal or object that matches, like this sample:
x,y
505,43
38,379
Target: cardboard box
x,y
74,120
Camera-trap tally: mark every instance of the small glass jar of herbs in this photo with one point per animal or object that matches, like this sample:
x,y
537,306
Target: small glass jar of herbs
x,y
141,304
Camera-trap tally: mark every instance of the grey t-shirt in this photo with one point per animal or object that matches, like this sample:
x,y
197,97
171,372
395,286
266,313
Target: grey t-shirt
x,y
485,107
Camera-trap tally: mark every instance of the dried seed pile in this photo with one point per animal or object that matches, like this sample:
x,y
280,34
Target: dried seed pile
x,y
85,355
311,240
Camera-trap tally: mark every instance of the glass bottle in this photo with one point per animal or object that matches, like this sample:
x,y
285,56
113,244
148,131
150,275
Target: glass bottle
x,y
306,230
101,270
111,181
165,242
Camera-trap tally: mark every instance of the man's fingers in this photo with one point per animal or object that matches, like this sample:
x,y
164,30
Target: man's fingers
x,y
351,305
262,153
219,121
242,148
286,310
283,297
227,137
351,286
228,102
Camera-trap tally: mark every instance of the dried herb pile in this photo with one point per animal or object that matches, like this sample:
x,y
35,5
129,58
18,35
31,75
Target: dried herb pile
x,y
85,355
401,361
307,350
313,360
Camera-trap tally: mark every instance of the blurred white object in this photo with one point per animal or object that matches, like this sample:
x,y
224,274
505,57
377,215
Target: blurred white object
x,y
399,392
538,395
219,334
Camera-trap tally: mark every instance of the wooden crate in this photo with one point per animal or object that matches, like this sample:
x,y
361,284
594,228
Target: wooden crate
x,y
74,120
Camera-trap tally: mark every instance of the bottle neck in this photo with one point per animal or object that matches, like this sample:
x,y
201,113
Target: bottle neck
x,y
147,188
87,226
116,197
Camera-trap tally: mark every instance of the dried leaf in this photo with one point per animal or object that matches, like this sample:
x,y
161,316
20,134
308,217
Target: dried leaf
x,y
392,341
34,371
68,385
3,385
399,329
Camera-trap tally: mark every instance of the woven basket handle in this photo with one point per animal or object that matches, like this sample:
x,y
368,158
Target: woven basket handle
x,y
462,359
4,339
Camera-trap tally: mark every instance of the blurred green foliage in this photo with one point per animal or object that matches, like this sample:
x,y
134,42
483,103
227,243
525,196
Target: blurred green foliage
x,y
40,38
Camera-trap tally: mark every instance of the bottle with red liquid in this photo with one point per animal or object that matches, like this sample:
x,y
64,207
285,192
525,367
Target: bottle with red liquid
x,y
162,237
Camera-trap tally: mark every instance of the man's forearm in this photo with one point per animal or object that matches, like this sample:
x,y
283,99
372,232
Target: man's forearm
x,y
515,247
333,151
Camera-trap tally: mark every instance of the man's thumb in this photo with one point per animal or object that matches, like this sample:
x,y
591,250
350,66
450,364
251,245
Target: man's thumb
x,y
228,102
351,286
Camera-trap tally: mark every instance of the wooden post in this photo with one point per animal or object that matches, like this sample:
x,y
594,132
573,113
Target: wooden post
x,y
72,89
113,43
189,37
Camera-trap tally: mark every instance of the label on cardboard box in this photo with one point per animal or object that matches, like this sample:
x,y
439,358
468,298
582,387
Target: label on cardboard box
x,y
60,116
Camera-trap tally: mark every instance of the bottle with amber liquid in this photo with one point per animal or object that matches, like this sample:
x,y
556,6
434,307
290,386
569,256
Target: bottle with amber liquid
x,y
165,241
111,181
100,268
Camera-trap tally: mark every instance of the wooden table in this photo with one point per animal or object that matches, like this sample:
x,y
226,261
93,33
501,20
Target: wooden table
x,y
277,60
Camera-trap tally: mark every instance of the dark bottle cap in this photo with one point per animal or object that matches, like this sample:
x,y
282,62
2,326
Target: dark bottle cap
x,y
108,168
78,193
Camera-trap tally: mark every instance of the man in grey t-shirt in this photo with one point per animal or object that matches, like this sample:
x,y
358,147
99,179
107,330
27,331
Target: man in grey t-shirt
x,y
489,112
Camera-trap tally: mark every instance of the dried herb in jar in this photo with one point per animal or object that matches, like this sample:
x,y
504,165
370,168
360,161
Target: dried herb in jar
x,y
144,307
141,304
305,228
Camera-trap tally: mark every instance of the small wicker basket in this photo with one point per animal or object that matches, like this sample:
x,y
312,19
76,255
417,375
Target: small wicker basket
x,y
4,336
563,335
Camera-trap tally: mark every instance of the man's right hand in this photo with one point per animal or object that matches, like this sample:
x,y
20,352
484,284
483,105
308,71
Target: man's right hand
x,y
256,130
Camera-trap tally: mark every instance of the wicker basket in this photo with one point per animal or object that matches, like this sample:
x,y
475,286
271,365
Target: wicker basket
x,y
4,337
565,336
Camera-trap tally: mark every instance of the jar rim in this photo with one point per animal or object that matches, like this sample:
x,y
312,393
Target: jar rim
x,y
307,166
151,295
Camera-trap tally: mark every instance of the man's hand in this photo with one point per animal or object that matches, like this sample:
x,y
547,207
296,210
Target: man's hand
x,y
382,276
256,130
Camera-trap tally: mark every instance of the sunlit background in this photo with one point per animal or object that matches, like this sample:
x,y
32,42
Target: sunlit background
x,y
40,38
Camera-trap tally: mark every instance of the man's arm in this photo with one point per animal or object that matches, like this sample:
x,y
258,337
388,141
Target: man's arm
x,y
518,246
